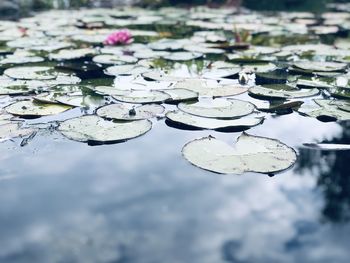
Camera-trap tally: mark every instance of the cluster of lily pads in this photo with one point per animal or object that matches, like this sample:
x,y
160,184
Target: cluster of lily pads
x,y
185,66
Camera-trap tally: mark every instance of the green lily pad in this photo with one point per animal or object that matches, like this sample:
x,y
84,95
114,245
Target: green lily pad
x,y
281,92
94,129
30,108
130,112
143,97
68,54
304,83
125,70
210,88
182,56
326,110
178,95
249,154
189,120
221,73
342,93
15,88
13,130
31,73
320,66
17,59
218,108
114,59
79,100
108,90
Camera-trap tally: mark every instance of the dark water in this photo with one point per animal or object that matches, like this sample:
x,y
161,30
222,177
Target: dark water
x,y
140,201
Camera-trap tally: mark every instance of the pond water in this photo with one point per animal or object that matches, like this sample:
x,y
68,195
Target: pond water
x,y
142,201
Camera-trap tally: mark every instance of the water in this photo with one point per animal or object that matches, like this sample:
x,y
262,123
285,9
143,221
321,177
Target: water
x,y
140,201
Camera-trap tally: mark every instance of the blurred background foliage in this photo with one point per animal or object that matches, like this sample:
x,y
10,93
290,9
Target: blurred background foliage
x,y
15,8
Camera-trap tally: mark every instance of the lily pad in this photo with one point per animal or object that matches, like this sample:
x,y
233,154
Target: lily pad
x,y
140,96
192,121
326,110
114,59
31,73
320,66
218,108
125,70
182,56
177,95
210,88
94,129
30,109
281,92
249,154
130,112
13,130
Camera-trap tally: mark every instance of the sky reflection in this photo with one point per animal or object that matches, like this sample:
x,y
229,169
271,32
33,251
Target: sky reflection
x,y
140,201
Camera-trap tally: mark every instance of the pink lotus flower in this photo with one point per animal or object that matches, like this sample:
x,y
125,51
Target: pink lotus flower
x,y
121,37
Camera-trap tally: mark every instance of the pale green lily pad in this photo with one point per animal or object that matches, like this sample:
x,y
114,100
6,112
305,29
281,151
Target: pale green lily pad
x,y
108,90
69,54
281,92
210,88
143,97
218,108
94,129
342,93
320,66
249,154
46,98
182,56
31,73
259,67
114,59
17,59
326,109
14,89
193,121
79,100
130,112
304,83
204,49
177,95
221,73
30,108
158,75
125,70
13,130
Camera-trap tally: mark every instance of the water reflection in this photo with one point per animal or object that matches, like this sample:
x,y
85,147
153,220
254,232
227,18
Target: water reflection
x,y
333,179
140,201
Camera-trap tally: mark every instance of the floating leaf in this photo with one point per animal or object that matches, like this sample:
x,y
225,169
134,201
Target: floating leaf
x,y
210,88
320,66
218,108
182,56
31,73
13,130
177,95
94,129
326,110
279,91
192,121
30,109
249,154
140,96
130,112
125,70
